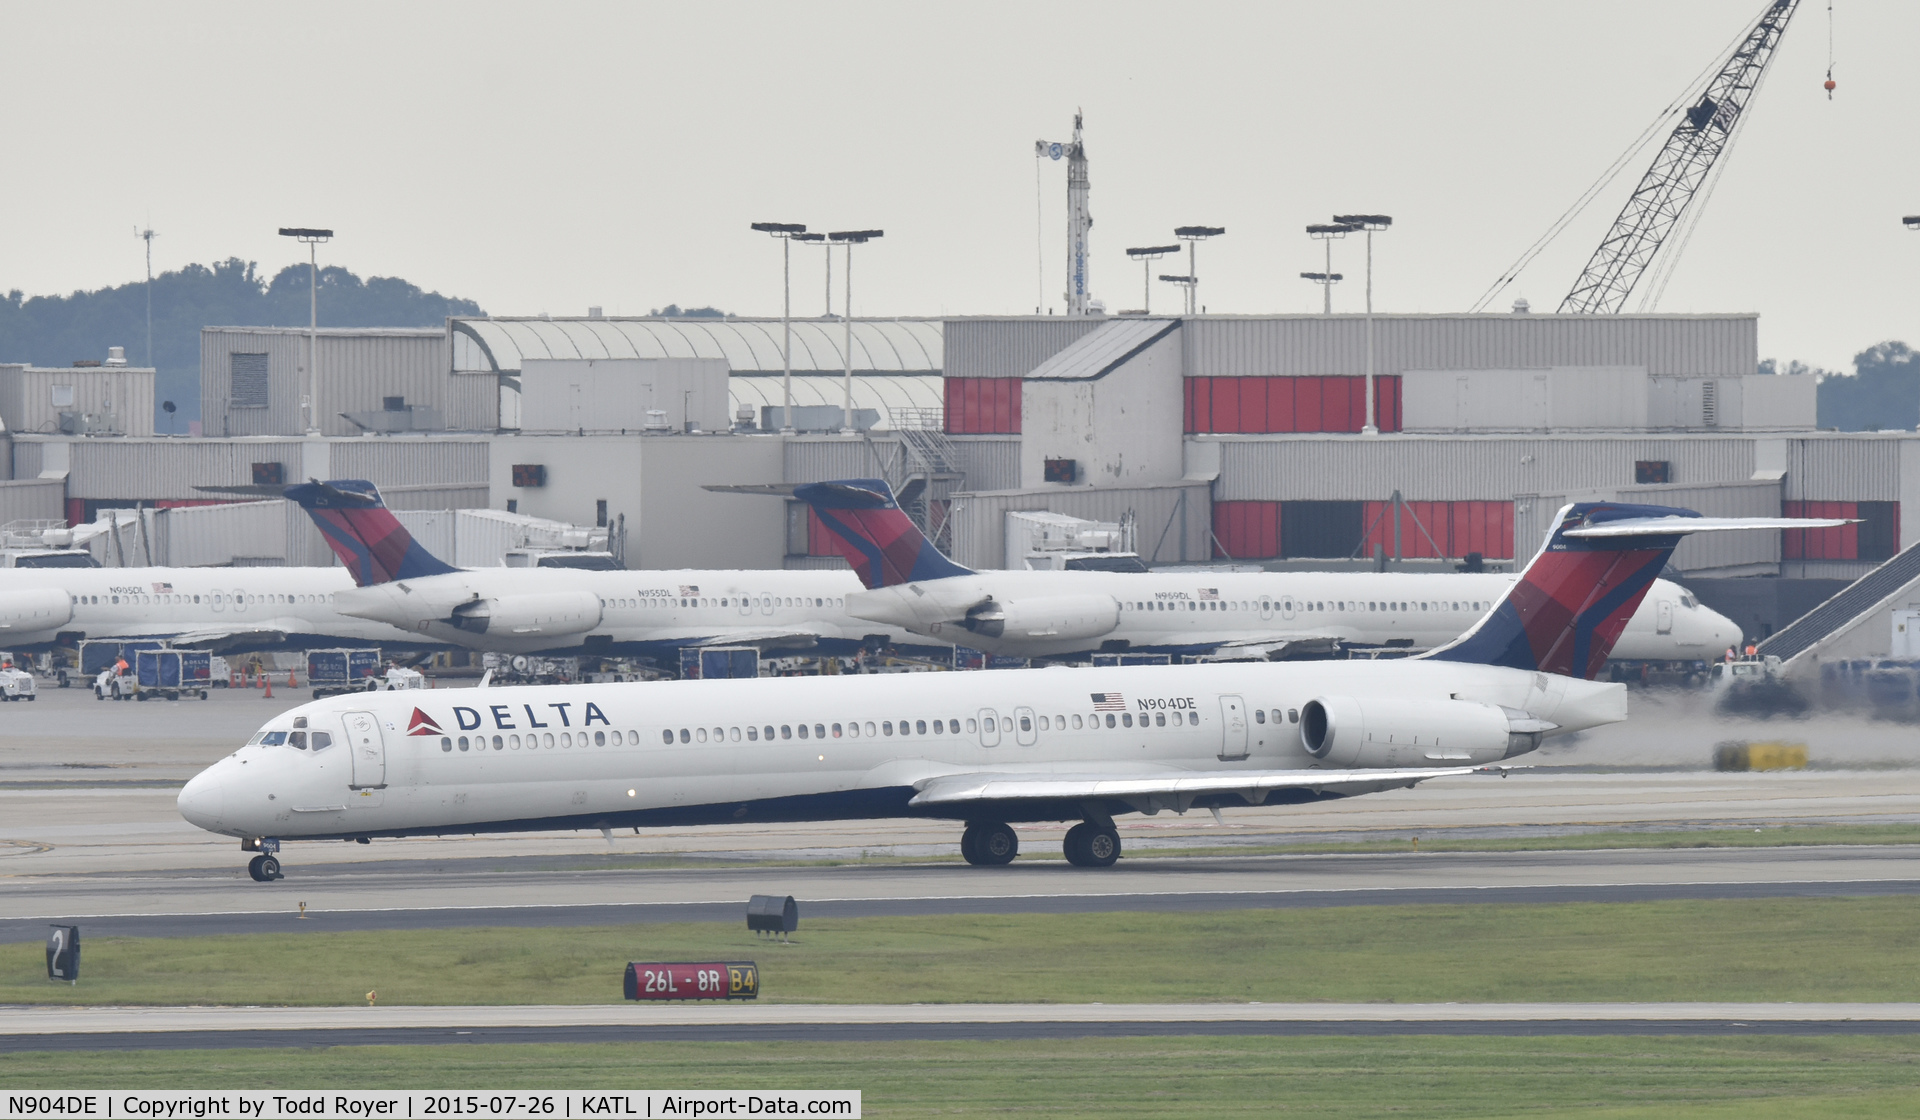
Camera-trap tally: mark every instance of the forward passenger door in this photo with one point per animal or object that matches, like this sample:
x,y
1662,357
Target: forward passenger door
x,y
1233,729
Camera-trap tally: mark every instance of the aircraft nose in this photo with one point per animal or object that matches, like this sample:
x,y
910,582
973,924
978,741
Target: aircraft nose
x,y
203,801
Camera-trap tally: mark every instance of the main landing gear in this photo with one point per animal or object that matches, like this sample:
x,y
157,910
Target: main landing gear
x,y
265,867
994,844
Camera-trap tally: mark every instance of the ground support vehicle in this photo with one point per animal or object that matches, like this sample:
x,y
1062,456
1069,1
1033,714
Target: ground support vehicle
x,y
172,673
331,672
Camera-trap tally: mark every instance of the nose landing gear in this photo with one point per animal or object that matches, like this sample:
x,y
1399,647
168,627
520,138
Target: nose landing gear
x,y
265,867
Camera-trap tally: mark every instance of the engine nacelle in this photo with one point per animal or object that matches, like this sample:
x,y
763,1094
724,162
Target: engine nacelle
x,y
33,611
1066,617
553,612
1351,732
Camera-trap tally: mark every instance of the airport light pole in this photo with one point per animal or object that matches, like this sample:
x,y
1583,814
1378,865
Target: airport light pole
x,y
850,238
312,238
1144,256
1326,278
785,231
1193,236
1371,223
147,235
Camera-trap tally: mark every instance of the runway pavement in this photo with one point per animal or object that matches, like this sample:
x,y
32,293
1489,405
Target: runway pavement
x,y
184,1028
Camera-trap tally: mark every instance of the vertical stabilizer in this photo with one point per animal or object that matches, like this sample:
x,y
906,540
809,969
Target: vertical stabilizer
x,y
364,533
874,534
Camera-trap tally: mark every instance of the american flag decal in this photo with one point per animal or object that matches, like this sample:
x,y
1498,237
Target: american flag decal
x,y
163,589
689,590
1109,702
1208,594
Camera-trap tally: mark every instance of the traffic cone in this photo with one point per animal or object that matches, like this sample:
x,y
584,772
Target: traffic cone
x,y
291,683
266,682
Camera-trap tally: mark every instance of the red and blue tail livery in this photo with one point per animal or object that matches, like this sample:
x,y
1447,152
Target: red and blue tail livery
x,y
875,535
364,533
1569,606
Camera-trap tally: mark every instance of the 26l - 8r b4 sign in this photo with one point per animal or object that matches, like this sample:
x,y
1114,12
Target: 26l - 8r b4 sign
x,y
682,980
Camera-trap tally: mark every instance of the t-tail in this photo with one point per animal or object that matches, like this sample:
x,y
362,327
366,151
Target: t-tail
x,y
1568,607
364,533
875,535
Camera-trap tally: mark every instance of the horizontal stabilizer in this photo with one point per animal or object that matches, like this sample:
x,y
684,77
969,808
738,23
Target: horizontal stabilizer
x,y
1670,526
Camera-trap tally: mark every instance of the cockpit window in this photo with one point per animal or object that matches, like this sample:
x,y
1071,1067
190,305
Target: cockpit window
x,y
321,741
272,738
297,740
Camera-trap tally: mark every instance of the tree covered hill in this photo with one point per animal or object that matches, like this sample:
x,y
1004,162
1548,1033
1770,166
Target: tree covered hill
x,y
58,330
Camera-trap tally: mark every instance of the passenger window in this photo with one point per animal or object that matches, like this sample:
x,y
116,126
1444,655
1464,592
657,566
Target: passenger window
x,y
1126,719
499,744
666,736
1076,723
786,731
1110,720
920,727
566,740
616,738
1293,715
1259,715
767,733
753,734
886,728
547,740
1026,723
446,744
1193,718
836,731
1159,719
803,730
1045,724
463,742
1059,721
699,735
853,729
869,729
939,727
732,733
685,736
297,740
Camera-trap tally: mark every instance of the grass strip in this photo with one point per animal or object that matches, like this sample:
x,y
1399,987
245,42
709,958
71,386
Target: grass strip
x,y
1803,950
1856,1078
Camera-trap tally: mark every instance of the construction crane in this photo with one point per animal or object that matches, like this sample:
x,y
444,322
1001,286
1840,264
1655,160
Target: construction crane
x,y
1079,221
1677,172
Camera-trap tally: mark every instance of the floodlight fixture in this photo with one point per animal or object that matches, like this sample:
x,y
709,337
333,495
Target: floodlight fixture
x,y
1371,223
312,239
857,236
1912,220
1193,236
1144,255
785,231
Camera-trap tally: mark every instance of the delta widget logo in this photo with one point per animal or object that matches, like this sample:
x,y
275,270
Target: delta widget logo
x,y
422,724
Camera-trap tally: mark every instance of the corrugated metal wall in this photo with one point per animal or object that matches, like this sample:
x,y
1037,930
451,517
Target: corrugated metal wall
x,y
393,463
210,536
1289,404
120,398
1007,347
1426,469
32,499
133,470
989,463
1337,344
1171,522
358,370
831,457
982,405
1844,468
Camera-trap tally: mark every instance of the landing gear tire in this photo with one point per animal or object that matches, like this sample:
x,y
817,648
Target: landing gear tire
x,y
1092,845
989,844
264,869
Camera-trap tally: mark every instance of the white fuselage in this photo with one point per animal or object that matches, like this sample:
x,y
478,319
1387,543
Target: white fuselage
x,y
815,748
214,605
1049,613
519,610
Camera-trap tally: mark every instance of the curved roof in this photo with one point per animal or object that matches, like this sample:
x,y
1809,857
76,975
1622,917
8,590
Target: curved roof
x,y
909,346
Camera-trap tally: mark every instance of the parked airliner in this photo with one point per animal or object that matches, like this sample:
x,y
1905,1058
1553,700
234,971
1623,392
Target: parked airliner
x,y
985,748
523,610
1231,615
221,609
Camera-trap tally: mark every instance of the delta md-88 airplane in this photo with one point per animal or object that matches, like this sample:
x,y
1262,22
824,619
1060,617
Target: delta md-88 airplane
x,y
1228,615
988,748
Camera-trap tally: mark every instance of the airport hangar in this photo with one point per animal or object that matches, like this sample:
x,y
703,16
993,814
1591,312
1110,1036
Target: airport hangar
x,y
1224,437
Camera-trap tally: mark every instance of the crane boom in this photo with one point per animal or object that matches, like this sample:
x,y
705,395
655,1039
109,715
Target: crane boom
x,y
1677,172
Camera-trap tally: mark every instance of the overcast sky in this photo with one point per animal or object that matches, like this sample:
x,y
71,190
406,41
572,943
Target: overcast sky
x,y
548,157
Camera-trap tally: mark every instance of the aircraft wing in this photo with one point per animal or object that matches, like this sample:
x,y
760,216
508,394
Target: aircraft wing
x,y
771,637
219,638
1172,789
